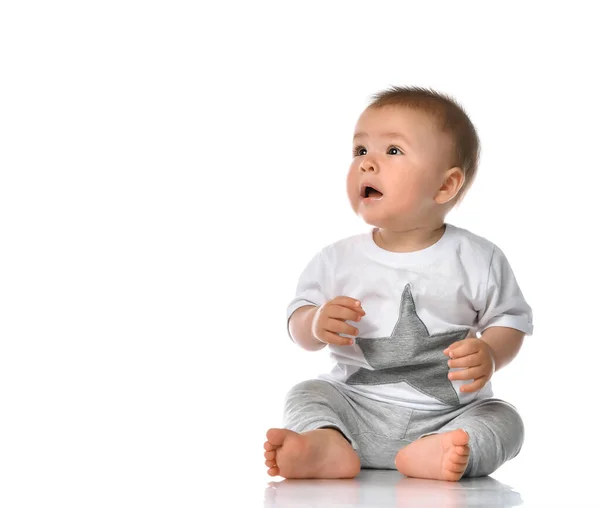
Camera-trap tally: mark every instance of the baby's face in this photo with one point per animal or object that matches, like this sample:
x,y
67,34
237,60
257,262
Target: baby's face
x,y
401,153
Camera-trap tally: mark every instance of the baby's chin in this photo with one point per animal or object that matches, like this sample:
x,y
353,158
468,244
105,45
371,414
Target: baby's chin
x,y
383,224
377,218
369,221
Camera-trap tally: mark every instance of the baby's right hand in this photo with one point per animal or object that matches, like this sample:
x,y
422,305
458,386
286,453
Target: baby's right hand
x,y
330,320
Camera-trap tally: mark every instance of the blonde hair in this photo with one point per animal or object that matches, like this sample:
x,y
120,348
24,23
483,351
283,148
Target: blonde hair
x,y
450,118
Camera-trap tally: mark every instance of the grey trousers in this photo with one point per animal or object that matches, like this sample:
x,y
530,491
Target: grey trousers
x,y
377,430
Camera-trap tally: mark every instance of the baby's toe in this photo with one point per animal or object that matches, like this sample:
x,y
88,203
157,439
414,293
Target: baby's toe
x,y
459,459
277,436
455,468
463,451
460,437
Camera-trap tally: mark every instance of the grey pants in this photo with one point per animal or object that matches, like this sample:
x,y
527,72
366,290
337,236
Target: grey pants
x,y
377,430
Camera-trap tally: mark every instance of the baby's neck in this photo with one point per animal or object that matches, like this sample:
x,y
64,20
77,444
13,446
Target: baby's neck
x,y
408,241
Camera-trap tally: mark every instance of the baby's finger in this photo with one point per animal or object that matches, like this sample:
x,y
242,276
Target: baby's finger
x,y
349,302
478,384
334,338
337,326
465,348
471,373
346,314
471,360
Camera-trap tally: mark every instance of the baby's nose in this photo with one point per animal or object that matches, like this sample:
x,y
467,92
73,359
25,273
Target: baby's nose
x,y
368,166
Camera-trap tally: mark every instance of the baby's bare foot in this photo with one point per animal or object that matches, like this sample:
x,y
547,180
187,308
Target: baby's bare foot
x,y
437,457
321,453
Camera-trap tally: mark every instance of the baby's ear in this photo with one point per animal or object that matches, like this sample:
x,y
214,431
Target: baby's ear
x,y
453,181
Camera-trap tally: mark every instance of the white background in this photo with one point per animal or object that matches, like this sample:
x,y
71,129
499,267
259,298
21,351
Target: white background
x,y
169,168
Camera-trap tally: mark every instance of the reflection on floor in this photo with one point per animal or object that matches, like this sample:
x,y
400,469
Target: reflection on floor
x,y
383,488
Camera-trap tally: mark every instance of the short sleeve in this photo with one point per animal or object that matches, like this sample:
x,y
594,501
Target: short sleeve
x,y
310,288
504,303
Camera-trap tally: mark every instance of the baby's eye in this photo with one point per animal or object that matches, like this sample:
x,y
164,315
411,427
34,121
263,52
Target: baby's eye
x,y
358,150
398,151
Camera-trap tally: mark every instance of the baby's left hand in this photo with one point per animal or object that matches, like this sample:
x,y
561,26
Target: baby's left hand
x,y
478,359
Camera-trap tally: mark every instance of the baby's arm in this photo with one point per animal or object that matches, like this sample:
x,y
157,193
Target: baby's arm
x,y
505,343
478,359
505,318
300,328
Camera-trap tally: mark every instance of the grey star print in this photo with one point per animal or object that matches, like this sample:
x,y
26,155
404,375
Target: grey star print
x,y
410,354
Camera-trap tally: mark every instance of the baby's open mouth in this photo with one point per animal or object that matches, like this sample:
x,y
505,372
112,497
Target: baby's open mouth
x,y
371,192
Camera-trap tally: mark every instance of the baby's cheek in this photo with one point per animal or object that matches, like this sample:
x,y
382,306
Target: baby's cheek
x,y
413,196
406,203
351,186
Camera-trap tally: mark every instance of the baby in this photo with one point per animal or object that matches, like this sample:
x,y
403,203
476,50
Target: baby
x,y
417,313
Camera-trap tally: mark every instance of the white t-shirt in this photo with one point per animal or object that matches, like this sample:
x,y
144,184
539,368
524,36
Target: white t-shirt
x,y
416,304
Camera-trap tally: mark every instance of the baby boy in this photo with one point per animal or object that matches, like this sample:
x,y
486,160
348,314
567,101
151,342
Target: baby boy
x,y
417,313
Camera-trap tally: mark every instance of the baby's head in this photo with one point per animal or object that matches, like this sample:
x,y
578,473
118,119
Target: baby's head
x,y
419,150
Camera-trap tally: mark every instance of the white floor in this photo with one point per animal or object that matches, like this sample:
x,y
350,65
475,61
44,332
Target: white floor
x,y
378,488
389,488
